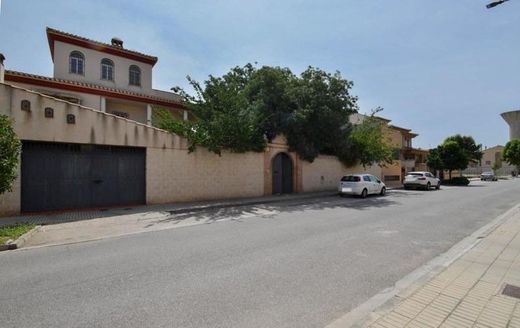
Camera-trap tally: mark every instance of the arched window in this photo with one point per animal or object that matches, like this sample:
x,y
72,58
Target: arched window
x,y
107,69
76,63
134,75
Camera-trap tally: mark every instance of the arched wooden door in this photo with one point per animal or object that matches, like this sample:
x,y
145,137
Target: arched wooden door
x,y
282,170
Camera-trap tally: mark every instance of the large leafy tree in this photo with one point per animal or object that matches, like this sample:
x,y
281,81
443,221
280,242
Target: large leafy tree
x,y
248,106
454,153
9,153
468,145
453,156
225,118
512,152
320,122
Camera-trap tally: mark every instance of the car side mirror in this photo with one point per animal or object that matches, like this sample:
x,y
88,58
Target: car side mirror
x,y
378,181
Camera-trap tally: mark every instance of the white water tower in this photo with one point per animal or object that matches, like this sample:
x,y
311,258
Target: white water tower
x,y
513,119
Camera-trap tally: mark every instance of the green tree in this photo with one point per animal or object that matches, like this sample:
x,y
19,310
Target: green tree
x,y
512,152
319,123
9,152
247,107
433,160
469,146
368,144
225,118
453,156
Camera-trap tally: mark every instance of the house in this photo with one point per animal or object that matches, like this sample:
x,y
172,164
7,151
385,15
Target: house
x,y
406,157
104,76
491,161
88,140
492,157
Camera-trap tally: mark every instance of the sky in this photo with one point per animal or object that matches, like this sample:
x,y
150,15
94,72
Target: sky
x,y
437,67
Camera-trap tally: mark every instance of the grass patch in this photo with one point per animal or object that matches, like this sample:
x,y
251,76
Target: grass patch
x,y
14,231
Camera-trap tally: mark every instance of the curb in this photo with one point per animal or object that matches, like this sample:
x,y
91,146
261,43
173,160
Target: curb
x,y
18,243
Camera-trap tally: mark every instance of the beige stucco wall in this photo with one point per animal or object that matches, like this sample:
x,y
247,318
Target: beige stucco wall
x,y
174,175
93,68
91,126
393,169
326,171
135,111
87,100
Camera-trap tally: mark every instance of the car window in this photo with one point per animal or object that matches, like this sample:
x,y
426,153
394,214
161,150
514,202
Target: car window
x,y
351,178
429,175
374,179
416,174
366,178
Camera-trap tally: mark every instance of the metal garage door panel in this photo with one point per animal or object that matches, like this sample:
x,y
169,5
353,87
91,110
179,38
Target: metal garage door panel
x,y
62,176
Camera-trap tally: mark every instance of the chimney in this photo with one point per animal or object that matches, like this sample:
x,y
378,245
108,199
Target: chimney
x,y
2,69
117,42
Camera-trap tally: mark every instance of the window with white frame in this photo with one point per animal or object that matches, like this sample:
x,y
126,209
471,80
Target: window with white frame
x,y
134,75
107,69
76,63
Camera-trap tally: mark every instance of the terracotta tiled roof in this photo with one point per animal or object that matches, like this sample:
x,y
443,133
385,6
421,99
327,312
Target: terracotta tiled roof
x,y
50,82
53,34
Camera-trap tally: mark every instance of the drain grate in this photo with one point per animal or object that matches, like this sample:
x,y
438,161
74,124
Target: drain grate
x,y
512,291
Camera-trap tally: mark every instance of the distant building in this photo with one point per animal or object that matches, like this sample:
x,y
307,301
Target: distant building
x,y
406,157
492,157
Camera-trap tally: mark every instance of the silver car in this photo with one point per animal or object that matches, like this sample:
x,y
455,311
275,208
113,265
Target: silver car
x,y
423,180
488,176
361,185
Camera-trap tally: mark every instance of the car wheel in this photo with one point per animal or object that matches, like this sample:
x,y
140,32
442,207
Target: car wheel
x,y
383,191
428,186
364,193
438,186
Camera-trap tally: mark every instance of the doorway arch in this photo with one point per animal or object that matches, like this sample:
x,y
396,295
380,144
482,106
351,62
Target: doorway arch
x,y
282,171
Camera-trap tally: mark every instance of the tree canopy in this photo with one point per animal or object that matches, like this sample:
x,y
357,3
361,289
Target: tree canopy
x,y
248,106
9,153
454,153
512,152
471,149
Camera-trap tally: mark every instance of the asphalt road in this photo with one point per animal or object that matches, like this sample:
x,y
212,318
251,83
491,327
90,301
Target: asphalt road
x,y
297,264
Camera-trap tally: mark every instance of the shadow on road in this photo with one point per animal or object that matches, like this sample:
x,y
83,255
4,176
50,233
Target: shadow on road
x,y
271,210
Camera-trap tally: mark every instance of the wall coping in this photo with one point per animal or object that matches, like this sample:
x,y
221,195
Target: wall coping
x,y
87,108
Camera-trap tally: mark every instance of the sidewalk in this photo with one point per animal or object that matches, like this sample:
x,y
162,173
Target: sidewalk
x,y
173,208
79,226
469,292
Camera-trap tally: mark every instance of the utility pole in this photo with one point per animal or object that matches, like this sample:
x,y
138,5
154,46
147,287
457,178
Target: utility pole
x,y
495,3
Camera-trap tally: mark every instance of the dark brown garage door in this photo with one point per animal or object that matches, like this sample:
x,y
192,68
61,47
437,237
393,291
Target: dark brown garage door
x,y
59,176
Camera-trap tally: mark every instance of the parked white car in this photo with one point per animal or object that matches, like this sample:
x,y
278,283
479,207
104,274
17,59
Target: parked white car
x,y
424,180
361,185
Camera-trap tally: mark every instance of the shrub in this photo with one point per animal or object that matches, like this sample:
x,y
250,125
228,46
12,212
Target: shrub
x,y
457,181
9,152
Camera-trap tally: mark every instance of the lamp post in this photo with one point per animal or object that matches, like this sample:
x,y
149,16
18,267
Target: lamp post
x,y
495,3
